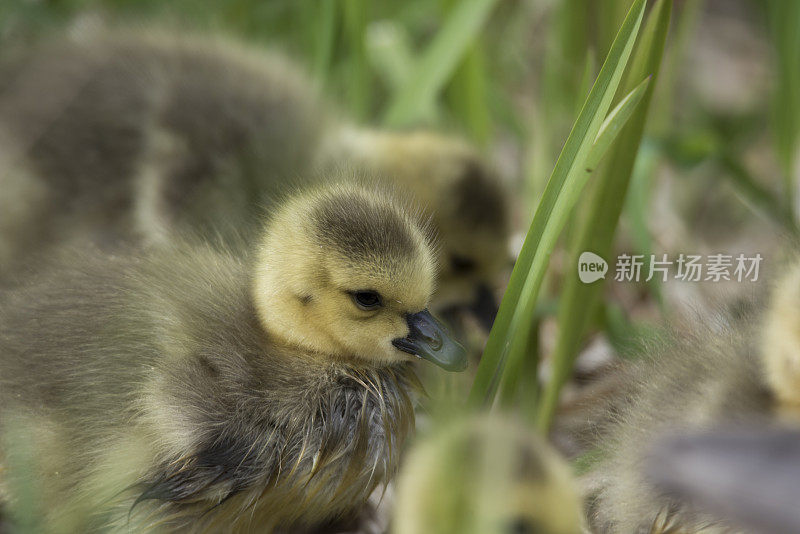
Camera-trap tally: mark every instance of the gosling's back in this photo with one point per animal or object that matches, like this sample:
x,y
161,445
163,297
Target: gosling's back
x,y
145,394
133,132
696,377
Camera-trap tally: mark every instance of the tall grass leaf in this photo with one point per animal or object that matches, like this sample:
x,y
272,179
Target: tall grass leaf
x,y
415,99
614,123
589,66
323,40
358,88
637,206
389,53
611,126
510,332
681,40
757,197
606,17
568,58
578,300
467,91
467,94
563,91
784,17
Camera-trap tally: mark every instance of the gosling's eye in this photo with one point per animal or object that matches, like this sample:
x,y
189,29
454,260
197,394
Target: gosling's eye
x,y
461,264
367,300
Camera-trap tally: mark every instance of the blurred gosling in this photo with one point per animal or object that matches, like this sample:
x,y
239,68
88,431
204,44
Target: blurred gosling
x,y
743,372
141,134
749,475
191,389
468,205
485,475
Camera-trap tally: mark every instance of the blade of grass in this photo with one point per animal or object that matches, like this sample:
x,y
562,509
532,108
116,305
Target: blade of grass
x,y
568,59
605,206
467,94
509,334
614,123
611,126
323,40
355,24
637,207
415,100
606,17
754,195
688,15
583,89
566,53
563,92
608,132
528,384
389,53
585,84
785,21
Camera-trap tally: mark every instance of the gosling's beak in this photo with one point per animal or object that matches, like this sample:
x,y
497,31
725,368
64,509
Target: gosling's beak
x,y
484,307
428,339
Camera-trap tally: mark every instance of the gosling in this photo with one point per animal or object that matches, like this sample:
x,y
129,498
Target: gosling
x,y
188,388
486,475
750,475
134,135
468,206
739,372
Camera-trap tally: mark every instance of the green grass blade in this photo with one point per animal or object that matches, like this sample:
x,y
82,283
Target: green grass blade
x,y
681,39
585,84
785,30
606,17
467,94
637,205
389,53
325,28
417,96
608,132
578,300
355,25
467,91
563,89
754,195
613,124
510,332
568,59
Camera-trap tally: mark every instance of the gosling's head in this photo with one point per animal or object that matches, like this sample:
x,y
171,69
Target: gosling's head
x,y
781,340
467,202
346,272
486,474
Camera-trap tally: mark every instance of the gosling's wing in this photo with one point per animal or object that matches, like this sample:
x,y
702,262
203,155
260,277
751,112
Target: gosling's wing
x,y
748,475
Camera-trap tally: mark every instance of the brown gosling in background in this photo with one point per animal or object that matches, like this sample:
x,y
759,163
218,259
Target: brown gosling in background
x,y
735,373
142,134
469,207
188,388
486,475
